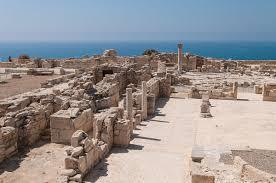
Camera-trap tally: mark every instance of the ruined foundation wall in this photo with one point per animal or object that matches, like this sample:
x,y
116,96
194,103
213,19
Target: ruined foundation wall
x,y
8,142
78,102
269,92
223,91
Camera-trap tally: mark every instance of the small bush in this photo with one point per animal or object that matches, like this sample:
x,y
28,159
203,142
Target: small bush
x,y
151,52
24,56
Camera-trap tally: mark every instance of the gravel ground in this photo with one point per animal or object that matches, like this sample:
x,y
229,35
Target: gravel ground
x,y
264,160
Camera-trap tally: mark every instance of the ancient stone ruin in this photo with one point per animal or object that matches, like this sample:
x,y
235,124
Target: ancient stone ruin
x,y
96,104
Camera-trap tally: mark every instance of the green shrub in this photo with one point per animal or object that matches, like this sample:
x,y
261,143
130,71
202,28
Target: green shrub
x,y
150,52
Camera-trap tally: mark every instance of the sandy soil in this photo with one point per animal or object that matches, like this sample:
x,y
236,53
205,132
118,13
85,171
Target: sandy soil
x,y
162,147
41,164
18,86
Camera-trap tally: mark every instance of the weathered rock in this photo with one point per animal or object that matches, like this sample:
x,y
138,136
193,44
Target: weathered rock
x,y
77,178
68,172
77,151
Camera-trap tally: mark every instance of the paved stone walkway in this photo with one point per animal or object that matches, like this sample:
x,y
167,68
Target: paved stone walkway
x,y
158,153
162,146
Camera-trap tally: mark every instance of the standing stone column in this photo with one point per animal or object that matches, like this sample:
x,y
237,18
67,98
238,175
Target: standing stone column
x,y
264,91
144,101
180,56
129,106
235,89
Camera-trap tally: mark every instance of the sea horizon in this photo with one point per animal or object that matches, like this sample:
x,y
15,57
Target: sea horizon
x,y
221,49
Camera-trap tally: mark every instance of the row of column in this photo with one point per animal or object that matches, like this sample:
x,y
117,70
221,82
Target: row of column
x,y
129,103
129,98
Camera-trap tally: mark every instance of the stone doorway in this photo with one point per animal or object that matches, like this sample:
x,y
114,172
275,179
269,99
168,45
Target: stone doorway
x,y
105,72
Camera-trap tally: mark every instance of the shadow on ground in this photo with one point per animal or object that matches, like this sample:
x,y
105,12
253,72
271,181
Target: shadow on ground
x,y
101,169
12,163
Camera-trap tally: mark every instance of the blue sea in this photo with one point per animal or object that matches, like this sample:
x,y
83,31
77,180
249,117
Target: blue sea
x,y
221,49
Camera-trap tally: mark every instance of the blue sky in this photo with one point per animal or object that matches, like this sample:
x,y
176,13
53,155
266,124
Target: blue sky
x,y
77,20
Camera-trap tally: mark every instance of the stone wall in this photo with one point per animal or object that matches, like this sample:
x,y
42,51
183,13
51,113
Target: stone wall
x,y
109,129
165,86
227,91
8,142
84,101
84,153
258,89
153,87
28,114
61,79
65,122
7,65
77,63
269,92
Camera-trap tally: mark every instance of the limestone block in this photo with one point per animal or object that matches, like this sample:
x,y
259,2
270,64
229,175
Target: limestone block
x,y
90,158
77,104
9,121
5,104
64,136
205,107
77,151
82,165
197,153
68,172
138,119
11,150
78,136
62,179
73,112
103,150
123,133
55,135
7,134
87,144
97,125
69,150
61,120
203,178
88,85
84,120
76,178
217,93
104,103
258,89
200,176
150,104
23,102
71,163
272,93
